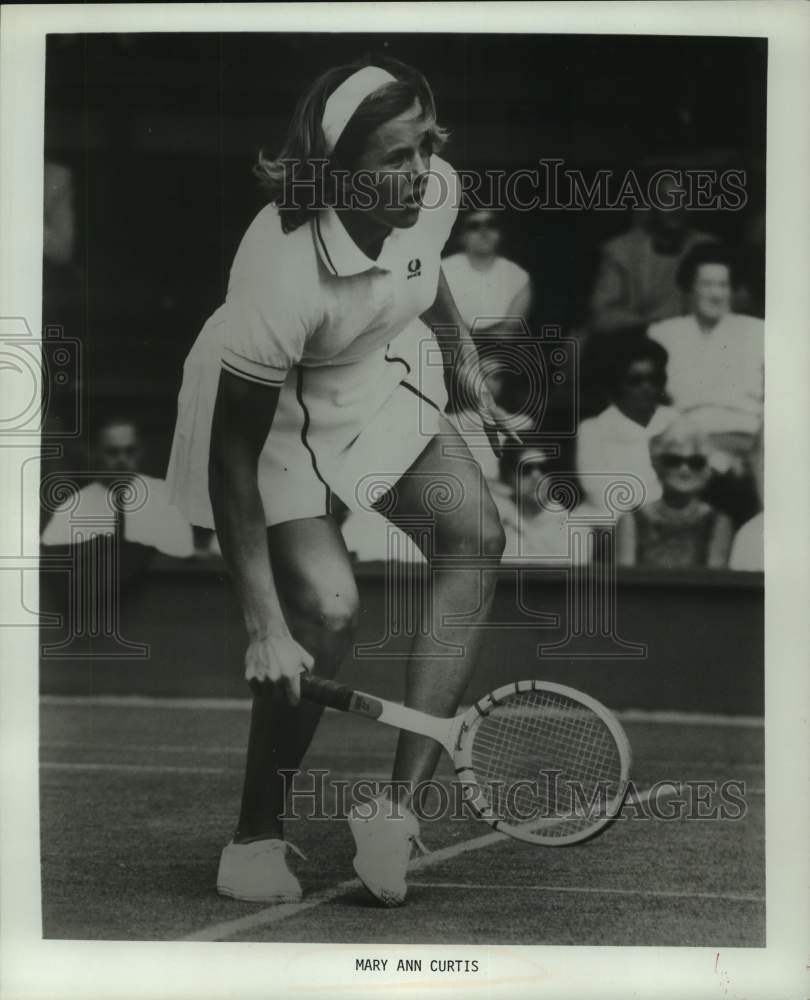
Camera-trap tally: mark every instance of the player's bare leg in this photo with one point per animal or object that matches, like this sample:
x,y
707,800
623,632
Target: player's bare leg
x,y
470,533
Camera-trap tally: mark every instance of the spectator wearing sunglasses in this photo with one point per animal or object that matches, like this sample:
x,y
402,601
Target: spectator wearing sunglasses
x,y
716,359
149,521
536,511
617,441
492,293
679,530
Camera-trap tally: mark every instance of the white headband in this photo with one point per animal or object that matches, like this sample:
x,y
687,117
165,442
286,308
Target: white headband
x,y
348,97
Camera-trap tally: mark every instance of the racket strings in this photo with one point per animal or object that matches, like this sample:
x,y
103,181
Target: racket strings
x,y
542,758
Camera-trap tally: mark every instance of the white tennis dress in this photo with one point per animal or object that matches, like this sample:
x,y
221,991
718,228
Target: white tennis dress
x,y
361,387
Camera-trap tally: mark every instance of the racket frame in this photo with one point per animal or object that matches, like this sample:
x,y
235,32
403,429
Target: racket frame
x,y
462,761
457,734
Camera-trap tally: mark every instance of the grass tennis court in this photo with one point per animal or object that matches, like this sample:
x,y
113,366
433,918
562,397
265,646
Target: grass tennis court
x,y
138,797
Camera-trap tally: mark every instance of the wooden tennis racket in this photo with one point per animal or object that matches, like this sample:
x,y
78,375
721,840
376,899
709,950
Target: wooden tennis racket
x,y
540,762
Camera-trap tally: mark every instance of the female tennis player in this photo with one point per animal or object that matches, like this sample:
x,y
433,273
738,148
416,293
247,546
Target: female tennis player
x,y
306,383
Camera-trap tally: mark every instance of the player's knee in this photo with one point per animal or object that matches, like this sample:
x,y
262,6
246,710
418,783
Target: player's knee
x,y
338,614
334,611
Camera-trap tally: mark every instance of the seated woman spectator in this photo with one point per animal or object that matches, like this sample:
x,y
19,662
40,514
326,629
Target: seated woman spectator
x,y
536,516
617,441
636,279
716,360
678,531
489,289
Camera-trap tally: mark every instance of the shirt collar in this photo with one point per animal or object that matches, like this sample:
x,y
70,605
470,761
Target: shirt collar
x,y
339,254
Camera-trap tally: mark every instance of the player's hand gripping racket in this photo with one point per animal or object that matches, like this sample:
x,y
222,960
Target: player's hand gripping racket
x,y
537,761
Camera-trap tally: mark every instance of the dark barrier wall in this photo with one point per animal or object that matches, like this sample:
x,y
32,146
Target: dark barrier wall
x,y
657,640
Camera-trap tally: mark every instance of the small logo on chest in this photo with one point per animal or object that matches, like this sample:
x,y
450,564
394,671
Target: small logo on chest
x,y
414,268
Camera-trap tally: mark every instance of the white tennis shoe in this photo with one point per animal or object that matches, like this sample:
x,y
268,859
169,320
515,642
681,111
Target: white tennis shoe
x,y
384,843
258,872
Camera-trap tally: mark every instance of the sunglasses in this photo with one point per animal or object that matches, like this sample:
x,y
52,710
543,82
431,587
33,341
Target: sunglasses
x,y
634,380
696,463
478,224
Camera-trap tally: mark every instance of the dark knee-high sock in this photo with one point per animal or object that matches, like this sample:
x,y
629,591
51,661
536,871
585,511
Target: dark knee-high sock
x,y
279,737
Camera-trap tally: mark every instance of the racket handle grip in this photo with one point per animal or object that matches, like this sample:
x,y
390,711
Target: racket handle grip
x,y
326,692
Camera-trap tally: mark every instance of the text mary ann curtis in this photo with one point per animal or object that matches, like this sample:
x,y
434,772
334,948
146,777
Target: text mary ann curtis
x,y
416,965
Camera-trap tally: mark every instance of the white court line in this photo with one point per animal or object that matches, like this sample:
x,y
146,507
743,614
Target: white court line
x,y
144,747
650,763
381,776
734,897
60,765
243,704
666,790
270,915
144,701
697,718
145,768
205,748
669,762
275,914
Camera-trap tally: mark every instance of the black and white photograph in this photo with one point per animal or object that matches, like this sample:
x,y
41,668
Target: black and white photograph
x,y
390,453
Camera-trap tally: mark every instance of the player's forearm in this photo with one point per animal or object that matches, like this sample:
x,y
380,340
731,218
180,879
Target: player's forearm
x,y
450,330
240,523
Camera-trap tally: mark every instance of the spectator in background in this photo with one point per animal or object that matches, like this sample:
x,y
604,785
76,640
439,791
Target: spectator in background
x,y
716,360
536,516
487,287
618,439
636,278
153,525
678,531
